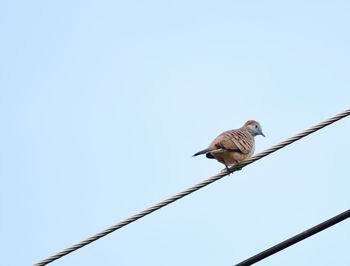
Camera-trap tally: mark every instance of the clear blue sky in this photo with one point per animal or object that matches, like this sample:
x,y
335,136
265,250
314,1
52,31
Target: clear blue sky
x,y
104,102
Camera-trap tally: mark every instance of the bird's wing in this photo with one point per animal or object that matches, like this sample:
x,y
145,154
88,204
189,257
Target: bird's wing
x,y
233,140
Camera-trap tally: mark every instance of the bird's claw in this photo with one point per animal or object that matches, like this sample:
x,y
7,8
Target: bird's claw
x,y
238,168
227,170
230,170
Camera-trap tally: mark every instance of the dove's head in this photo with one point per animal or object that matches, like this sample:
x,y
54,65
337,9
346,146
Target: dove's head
x,y
254,128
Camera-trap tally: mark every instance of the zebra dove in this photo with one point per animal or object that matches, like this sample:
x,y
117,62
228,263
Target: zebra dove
x,y
234,146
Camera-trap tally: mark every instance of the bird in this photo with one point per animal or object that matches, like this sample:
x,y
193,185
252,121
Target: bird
x,y
234,146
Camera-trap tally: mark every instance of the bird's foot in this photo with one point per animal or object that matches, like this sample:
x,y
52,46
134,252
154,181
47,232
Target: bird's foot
x,y
237,168
226,169
232,169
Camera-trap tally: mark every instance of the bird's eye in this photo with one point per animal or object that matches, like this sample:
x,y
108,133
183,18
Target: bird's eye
x,y
256,126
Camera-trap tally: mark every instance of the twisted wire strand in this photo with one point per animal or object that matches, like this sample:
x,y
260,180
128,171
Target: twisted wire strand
x,y
192,189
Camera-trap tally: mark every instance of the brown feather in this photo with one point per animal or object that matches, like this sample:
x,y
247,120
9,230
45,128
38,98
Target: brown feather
x,y
233,146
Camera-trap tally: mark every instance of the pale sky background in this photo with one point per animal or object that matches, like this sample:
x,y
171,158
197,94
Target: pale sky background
x,y
103,104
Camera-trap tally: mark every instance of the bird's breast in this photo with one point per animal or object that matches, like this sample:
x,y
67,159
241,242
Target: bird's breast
x,y
230,157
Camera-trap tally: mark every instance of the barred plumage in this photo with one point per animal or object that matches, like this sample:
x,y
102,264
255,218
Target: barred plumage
x,y
234,146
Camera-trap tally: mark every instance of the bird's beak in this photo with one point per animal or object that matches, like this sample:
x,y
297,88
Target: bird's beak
x,y
262,134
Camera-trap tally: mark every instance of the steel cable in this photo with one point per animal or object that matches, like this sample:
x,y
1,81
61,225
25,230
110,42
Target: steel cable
x,y
192,189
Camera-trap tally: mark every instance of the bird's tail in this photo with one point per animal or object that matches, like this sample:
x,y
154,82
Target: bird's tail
x,y
201,152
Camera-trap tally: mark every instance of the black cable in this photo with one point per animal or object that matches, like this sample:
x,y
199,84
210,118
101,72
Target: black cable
x,y
295,239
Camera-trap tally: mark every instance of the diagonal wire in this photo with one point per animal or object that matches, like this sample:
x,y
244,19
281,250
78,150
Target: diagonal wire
x,y
295,239
191,189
